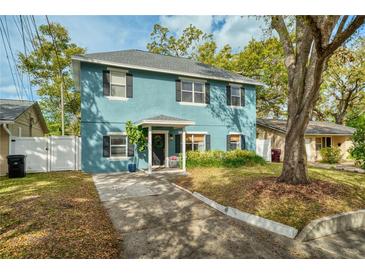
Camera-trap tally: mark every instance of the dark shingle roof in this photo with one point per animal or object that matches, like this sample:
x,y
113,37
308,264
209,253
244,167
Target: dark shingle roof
x,y
175,65
11,109
314,127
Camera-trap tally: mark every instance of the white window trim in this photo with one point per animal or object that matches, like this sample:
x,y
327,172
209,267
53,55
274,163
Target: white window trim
x,y
192,140
121,98
240,95
117,98
126,157
193,104
239,142
193,81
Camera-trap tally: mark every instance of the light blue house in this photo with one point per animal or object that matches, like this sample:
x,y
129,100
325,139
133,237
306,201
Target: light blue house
x,y
185,105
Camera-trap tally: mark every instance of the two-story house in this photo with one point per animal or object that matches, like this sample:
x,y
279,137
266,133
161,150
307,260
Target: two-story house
x,y
186,105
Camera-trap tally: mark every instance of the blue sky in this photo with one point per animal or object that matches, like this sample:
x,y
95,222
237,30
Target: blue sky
x,y
107,33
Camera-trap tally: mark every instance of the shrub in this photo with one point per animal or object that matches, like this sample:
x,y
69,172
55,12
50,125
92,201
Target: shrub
x,y
331,155
358,151
218,158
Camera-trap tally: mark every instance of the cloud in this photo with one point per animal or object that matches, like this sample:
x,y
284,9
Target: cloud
x,y
237,31
234,30
177,24
8,92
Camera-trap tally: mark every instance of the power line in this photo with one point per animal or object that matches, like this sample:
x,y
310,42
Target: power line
x,y
19,75
26,56
10,66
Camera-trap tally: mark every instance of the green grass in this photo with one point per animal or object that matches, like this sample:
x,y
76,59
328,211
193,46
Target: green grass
x,y
54,215
253,189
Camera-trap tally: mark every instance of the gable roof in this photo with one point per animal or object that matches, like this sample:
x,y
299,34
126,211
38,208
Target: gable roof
x,y
10,110
144,60
165,120
314,127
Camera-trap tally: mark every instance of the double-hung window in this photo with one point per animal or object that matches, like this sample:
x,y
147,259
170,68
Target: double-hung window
x,y
195,142
322,142
118,84
234,141
235,96
118,146
192,91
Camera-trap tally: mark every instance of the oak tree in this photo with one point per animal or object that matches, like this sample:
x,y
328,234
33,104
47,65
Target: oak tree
x,y
315,40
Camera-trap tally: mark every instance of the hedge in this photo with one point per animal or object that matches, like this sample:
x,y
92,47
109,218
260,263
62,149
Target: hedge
x,y
218,158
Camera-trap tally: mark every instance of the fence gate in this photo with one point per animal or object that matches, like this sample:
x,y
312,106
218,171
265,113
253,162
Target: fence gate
x,y
263,148
53,153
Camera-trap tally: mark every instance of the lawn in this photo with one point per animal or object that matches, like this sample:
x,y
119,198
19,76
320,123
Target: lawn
x,y
254,190
54,215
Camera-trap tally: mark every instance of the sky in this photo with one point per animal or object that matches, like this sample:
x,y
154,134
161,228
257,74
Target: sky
x,y
108,33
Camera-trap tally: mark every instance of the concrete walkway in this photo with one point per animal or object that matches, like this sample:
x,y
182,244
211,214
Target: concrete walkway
x,y
346,166
158,220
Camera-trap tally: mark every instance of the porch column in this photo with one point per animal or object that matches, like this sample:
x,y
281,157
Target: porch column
x,y
149,149
184,150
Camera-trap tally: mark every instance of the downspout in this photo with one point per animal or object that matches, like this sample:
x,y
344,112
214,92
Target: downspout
x,y
9,133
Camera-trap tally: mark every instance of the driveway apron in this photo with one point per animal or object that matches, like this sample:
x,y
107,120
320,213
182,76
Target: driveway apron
x,y
158,220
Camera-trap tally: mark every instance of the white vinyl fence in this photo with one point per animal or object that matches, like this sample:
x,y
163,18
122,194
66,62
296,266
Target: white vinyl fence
x,y
53,153
263,148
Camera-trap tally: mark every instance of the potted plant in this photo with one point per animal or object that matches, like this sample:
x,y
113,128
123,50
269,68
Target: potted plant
x,y
174,162
138,137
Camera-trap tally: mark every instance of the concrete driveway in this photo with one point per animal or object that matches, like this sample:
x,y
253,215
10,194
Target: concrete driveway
x,y
158,220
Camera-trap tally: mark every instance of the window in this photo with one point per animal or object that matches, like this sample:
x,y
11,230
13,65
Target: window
x,y
234,141
235,96
192,91
195,142
322,142
117,84
118,146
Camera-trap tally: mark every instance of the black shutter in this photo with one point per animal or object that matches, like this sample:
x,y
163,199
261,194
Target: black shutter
x,y
129,81
177,143
243,142
207,142
106,83
228,144
178,90
242,97
228,93
207,93
130,149
106,146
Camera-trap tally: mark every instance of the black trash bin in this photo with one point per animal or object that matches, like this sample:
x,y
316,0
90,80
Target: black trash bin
x,y
16,164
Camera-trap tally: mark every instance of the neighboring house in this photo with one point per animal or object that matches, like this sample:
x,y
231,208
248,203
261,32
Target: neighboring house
x,y
18,118
185,105
317,135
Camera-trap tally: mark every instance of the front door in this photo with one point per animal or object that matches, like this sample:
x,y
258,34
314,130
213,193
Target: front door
x,y
158,149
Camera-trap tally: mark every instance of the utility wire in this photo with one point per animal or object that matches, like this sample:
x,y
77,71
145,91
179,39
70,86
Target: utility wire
x,y
10,66
19,75
26,56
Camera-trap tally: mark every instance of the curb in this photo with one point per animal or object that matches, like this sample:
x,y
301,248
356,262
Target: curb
x,y
251,219
332,224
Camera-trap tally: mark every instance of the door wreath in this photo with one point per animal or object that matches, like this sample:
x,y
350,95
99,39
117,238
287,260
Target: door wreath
x,y
158,141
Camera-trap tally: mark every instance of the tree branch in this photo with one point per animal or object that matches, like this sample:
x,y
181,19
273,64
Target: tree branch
x,y
277,22
342,36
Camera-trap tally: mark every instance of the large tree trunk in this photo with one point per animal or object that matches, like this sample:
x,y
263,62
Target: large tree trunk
x,y
305,60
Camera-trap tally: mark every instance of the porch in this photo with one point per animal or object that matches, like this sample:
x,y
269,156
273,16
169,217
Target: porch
x,y
162,142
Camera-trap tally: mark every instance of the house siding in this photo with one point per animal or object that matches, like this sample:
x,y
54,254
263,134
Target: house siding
x,y
278,142
22,122
154,94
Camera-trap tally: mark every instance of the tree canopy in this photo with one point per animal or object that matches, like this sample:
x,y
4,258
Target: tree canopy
x,y
51,58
